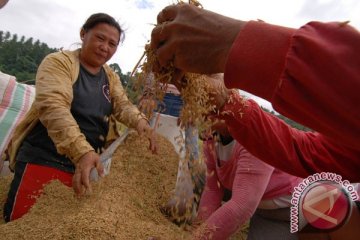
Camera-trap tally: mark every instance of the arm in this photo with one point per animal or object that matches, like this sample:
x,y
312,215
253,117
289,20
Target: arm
x,y
123,110
213,191
296,152
310,75
250,182
126,112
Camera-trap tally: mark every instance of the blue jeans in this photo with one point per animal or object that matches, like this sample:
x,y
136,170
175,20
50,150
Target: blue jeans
x,y
171,105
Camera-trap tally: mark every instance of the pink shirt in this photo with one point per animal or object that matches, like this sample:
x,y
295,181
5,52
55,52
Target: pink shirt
x,y
250,181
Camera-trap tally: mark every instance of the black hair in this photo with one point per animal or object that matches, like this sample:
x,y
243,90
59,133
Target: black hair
x,y
97,18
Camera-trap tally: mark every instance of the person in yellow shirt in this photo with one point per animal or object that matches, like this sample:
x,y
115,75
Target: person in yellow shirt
x,y
65,130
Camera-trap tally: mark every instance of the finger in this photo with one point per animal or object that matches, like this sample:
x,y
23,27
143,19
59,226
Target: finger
x,y
162,48
156,66
165,55
153,144
158,36
85,178
100,168
178,79
153,147
167,14
76,182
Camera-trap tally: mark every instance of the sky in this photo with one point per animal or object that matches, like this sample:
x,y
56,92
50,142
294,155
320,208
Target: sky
x,y
57,22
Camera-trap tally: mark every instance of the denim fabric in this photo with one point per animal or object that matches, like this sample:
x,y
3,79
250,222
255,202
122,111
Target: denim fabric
x,y
171,105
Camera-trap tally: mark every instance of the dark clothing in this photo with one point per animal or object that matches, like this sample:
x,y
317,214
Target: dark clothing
x,y
272,224
171,105
90,106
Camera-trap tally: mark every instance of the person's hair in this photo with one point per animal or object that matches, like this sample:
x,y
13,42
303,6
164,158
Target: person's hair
x,y
98,18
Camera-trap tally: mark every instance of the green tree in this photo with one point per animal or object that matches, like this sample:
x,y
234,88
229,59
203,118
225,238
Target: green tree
x,y
126,82
21,58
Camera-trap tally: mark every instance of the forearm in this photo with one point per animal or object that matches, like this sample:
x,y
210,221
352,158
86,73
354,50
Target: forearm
x,y
291,150
258,46
210,200
123,109
224,222
128,114
213,191
309,75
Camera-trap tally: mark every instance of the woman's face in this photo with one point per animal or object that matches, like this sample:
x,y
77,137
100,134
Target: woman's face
x,y
99,45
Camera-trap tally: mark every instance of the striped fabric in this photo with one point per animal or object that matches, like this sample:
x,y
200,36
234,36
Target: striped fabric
x,y
15,101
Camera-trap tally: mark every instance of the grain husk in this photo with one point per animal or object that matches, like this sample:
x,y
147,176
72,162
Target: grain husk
x,y
123,205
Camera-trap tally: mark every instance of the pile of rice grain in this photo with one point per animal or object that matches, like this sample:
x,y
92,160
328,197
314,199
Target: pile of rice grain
x,y
123,205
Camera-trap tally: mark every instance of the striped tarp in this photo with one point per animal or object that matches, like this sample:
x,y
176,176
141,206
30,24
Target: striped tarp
x,y
15,101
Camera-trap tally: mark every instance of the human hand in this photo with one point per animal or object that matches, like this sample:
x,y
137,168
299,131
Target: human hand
x,y
196,40
143,128
81,178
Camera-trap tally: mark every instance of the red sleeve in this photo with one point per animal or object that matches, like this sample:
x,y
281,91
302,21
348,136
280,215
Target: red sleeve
x,y
311,75
276,143
251,179
213,192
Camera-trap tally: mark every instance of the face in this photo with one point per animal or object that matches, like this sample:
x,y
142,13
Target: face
x,y
3,3
99,45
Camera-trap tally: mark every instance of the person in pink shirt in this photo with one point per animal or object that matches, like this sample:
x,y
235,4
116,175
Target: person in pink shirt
x,y
253,185
266,136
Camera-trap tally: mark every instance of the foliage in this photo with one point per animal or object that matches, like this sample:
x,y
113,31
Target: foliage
x,y
21,57
127,82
